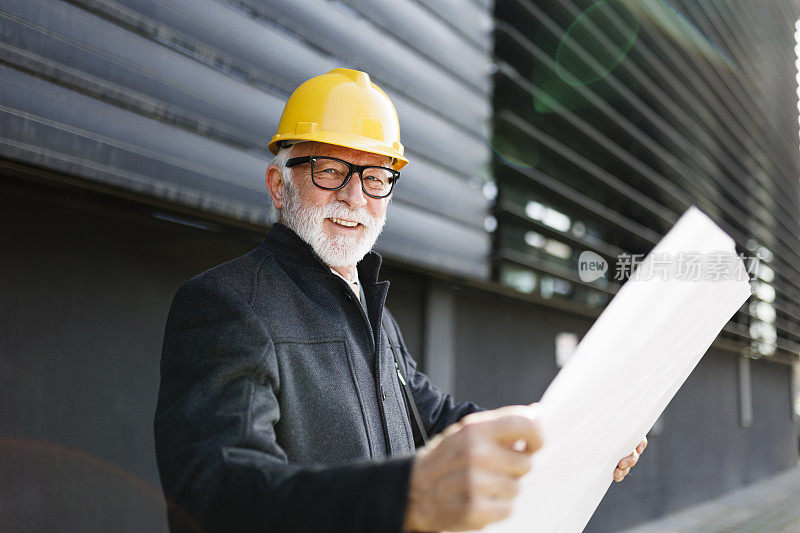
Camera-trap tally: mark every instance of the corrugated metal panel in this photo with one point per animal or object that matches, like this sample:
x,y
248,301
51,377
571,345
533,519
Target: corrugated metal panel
x,y
472,19
456,249
176,99
612,118
50,126
337,31
431,36
73,48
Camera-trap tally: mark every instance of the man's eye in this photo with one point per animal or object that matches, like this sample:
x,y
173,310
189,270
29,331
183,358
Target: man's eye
x,y
331,173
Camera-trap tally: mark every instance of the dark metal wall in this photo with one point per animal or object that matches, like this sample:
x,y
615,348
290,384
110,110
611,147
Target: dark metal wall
x,y
174,100
613,117
506,355
84,300
149,113
703,451
87,282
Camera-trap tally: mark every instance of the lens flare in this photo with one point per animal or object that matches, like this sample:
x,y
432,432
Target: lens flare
x,y
676,26
596,42
512,146
599,40
50,487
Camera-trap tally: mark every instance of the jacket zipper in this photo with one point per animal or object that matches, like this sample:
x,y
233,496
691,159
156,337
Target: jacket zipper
x,y
399,374
379,390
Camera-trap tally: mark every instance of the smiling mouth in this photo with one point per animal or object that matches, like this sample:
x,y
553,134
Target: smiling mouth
x,y
344,223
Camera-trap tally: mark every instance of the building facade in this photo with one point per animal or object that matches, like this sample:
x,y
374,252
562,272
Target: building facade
x,y
133,154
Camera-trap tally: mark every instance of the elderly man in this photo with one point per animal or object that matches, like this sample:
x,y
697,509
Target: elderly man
x,y
288,400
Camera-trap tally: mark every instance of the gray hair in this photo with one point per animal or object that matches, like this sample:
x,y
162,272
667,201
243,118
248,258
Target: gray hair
x,y
280,159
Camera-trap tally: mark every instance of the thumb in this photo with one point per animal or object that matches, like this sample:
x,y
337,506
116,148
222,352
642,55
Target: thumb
x,y
518,428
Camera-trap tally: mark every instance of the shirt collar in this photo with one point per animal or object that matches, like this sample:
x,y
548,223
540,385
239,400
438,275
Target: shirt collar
x,y
353,281
352,284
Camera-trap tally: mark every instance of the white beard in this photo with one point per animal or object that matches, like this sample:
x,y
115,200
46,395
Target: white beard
x,y
339,250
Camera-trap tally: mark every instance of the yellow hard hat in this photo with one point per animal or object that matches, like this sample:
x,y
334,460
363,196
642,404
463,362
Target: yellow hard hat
x,y
342,107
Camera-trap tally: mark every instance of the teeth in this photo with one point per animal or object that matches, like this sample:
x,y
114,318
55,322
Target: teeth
x,y
344,222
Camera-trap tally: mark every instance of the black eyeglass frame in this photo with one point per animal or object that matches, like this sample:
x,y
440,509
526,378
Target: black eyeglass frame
x,y
352,169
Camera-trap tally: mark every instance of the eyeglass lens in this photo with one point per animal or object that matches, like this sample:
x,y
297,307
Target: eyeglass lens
x,y
330,174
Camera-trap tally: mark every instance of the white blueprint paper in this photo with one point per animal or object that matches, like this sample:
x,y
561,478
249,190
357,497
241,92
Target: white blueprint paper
x,y
622,376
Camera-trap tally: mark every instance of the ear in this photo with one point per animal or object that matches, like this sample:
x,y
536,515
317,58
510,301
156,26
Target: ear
x,y
275,185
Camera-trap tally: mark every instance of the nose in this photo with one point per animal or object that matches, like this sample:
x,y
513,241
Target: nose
x,y
352,194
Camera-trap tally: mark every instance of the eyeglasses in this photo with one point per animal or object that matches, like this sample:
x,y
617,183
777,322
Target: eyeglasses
x,y
333,174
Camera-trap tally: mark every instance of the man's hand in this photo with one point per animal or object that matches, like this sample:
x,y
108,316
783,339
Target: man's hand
x,y
467,476
625,465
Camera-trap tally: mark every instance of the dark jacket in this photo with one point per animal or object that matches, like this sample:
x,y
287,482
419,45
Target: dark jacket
x,y
276,412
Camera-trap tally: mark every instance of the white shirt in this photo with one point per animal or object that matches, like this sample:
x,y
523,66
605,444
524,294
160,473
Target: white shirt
x,y
353,284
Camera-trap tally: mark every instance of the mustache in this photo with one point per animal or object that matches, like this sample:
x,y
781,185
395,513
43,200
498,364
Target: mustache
x,y
340,210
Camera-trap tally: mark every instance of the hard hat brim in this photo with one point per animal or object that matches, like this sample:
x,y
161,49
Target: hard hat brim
x,y
344,140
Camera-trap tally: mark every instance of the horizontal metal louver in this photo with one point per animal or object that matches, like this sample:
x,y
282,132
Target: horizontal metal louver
x,y
611,118
176,99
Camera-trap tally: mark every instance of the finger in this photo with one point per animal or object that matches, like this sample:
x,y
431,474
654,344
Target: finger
x,y
518,445
475,448
459,515
516,425
629,461
622,462
472,485
642,445
501,460
486,511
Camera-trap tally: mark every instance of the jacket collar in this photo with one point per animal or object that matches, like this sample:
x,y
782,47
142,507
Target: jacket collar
x,y
298,259
285,241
